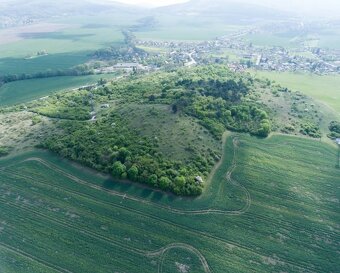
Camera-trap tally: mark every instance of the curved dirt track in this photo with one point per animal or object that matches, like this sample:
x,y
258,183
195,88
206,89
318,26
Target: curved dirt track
x,y
187,247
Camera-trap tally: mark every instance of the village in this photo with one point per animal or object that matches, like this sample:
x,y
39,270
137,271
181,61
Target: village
x,y
240,54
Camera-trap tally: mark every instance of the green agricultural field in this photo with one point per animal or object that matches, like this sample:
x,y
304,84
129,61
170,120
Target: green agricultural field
x,y
256,215
67,48
24,91
71,40
184,33
42,63
271,40
322,88
175,28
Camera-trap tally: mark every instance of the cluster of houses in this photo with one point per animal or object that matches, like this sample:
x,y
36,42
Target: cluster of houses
x,y
274,58
127,67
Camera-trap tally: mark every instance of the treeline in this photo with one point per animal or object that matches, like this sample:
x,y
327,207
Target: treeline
x,y
145,24
81,70
125,53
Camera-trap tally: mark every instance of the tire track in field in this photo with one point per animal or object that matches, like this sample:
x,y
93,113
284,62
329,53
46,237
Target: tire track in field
x,y
243,210
193,231
33,258
189,248
160,252
188,229
195,212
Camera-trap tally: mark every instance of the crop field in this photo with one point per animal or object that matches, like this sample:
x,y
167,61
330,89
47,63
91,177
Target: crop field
x,y
192,33
24,91
68,40
182,28
42,63
322,88
66,48
256,215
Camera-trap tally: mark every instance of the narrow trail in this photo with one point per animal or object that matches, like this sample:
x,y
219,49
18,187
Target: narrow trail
x,y
233,166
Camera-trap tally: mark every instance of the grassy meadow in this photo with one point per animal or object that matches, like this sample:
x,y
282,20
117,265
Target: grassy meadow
x,y
27,90
256,215
322,88
175,133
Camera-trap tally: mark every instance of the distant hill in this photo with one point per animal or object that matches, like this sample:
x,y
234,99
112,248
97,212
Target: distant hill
x,y
224,10
20,12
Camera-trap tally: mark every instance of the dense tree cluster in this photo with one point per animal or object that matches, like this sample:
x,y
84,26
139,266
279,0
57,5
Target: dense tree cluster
x,y
109,146
334,127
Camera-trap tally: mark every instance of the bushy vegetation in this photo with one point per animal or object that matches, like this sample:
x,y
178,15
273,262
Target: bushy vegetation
x,y
109,146
334,127
72,106
310,129
213,96
4,151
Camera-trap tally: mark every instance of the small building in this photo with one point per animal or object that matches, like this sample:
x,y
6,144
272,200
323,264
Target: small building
x,y
106,105
337,141
199,180
126,65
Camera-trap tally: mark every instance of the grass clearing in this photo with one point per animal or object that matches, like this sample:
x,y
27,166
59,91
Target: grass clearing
x,y
274,216
322,88
159,122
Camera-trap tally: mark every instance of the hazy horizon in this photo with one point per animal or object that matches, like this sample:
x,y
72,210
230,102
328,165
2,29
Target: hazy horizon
x,y
300,7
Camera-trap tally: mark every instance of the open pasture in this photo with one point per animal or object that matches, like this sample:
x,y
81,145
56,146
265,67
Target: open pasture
x,y
322,88
256,215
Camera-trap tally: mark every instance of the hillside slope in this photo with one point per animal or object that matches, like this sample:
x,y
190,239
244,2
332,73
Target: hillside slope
x,y
163,129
